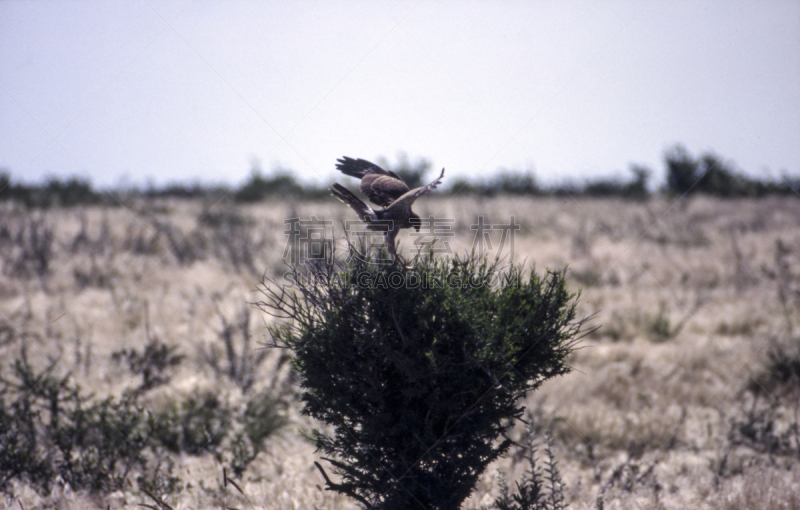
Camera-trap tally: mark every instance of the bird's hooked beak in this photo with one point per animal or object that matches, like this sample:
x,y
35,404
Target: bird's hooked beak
x,y
415,222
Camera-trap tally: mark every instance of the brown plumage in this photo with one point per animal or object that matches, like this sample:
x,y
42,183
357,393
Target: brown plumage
x,y
386,189
381,186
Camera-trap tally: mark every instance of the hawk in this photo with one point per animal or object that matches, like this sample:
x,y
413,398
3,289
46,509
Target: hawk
x,y
386,189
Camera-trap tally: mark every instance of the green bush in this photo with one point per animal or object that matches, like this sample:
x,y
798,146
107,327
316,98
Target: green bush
x,y
420,371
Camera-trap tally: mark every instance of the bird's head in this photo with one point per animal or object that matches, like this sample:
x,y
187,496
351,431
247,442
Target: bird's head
x,y
415,221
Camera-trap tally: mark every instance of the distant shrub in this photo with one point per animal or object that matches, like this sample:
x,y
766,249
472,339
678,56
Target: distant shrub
x,y
155,364
708,174
27,246
192,425
566,188
70,192
711,175
263,416
258,187
53,193
769,423
463,186
504,182
510,182
188,191
514,183
10,191
603,188
681,171
636,188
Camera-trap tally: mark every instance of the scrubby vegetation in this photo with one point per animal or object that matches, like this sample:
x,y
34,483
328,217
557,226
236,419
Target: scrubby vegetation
x,y
53,432
132,321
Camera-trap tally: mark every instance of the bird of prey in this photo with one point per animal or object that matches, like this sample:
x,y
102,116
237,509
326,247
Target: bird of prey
x,y
384,188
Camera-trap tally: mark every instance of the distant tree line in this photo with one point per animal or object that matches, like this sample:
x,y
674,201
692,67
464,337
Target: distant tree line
x,y
708,174
711,175
54,191
74,191
509,182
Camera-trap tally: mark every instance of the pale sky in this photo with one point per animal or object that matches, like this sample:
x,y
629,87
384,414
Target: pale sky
x,y
196,90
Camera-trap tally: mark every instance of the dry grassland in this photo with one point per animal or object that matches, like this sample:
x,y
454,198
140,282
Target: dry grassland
x,y
659,411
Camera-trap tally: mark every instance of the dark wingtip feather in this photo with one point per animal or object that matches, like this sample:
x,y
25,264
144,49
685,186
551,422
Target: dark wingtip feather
x,y
350,166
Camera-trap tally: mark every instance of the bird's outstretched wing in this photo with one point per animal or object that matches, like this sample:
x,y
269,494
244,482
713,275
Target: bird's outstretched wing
x,y
381,186
361,167
408,198
365,212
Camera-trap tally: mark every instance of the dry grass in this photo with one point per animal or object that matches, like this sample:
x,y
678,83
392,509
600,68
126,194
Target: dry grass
x,y
690,298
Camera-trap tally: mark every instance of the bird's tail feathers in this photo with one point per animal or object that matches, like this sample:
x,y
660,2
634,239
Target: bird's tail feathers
x,y
365,212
